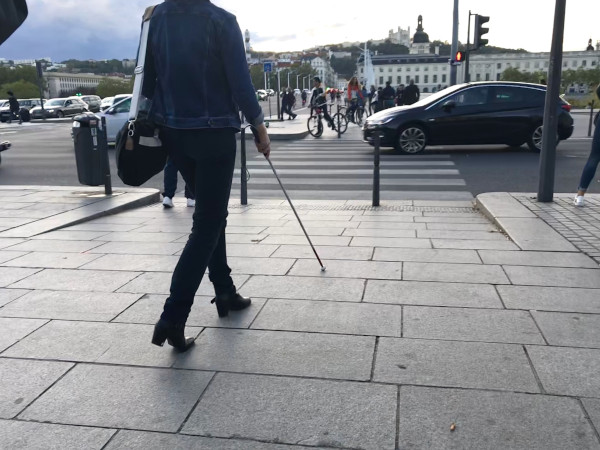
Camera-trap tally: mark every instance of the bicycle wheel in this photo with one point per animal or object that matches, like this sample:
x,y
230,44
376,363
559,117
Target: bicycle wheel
x,y
343,122
315,126
359,116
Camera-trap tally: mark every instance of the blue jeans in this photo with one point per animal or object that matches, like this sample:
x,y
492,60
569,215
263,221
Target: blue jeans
x,y
592,163
206,160
171,181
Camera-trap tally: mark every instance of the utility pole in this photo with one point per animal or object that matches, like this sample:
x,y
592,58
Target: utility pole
x,y
453,67
548,154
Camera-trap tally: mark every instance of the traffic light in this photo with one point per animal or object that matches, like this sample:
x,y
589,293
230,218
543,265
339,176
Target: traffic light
x,y
480,31
459,57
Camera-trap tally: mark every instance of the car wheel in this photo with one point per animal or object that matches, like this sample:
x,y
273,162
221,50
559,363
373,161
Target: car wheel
x,y
535,139
412,139
60,114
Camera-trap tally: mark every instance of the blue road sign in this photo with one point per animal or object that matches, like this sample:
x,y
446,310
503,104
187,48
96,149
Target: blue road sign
x,y
268,67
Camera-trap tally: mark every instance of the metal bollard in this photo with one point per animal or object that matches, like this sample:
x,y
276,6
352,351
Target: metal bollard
x,y
591,118
338,122
243,170
376,169
107,178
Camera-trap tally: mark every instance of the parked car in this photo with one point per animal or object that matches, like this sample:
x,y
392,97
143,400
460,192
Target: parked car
x,y
297,92
93,102
493,112
110,101
262,95
25,106
271,92
59,108
116,116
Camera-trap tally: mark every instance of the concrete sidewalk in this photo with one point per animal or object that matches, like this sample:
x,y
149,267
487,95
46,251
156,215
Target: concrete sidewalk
x,y
430,329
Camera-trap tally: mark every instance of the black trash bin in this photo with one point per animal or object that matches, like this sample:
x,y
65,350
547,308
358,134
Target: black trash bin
x,y
89,138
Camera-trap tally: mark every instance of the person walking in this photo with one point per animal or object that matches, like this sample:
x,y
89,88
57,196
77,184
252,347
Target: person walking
x,y
399,95
591,165
170,183
371,95
284,100
411,94
389,94
13,105
198,127
291,101
304,96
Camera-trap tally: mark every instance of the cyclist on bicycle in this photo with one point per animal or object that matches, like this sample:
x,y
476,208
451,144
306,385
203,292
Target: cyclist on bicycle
x,y
354,94
319,100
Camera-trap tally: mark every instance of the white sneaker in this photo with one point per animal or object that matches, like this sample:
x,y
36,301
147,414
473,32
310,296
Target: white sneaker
x,y
191,203
167,202
578,200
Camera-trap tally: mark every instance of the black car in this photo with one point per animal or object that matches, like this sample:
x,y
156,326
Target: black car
x,y
492,112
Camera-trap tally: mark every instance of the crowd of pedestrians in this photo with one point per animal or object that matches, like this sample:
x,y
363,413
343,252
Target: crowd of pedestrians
x,y
388,97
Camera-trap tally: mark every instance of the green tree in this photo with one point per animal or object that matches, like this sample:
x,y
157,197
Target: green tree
x,y
25,73
110,87
514,74
344,66
21,89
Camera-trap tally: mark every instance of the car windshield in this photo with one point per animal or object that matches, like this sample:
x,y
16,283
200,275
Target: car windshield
x,y
438,95
55,102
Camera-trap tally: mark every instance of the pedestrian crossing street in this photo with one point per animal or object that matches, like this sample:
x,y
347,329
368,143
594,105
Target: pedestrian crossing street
x,y
343,170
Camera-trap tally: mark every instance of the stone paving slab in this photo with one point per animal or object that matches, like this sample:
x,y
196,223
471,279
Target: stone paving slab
x,y
592,406
297,411
551,298
527,258
133,236
301,239
51,260
454,273
368,225
70,235
325,252
8,255
330,317
491,420
427,255
9,242
281,353
107,227
8,295
534,234
159,283
143,440
462,324
390,242
138,248
349,269
552,276
55,246
133,263
18,391
111,343
14,330
295,230
454,234
75,280
69,305
204,314
454,364
19,435
462,227
10,275
463,218
567,371
463,295
474,244
308,288
143,398
380,232
569,329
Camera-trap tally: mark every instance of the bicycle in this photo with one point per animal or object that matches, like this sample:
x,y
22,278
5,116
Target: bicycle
x,y
315,121
355,114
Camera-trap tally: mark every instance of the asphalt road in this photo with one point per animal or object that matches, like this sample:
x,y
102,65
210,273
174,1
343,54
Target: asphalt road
x,y
42,154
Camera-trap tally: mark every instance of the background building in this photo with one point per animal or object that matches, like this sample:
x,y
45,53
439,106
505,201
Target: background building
x,y
61,82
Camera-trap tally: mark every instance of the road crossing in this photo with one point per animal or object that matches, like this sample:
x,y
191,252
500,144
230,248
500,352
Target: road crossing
x,y
343,170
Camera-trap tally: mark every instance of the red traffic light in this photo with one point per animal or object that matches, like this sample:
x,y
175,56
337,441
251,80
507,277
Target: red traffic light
x,y
460,57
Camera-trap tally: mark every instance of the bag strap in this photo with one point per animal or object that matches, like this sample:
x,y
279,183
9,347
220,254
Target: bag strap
x,y
141,60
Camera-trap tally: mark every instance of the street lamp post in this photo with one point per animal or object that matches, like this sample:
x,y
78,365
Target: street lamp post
x,y
297,84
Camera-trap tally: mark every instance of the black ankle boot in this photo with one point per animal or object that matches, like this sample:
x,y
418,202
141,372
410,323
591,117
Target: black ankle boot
x,y
230,302
173,334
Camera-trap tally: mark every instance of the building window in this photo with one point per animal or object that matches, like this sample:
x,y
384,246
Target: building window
x,y
593,62
417,79
417,69
537,65
443,78
380,80
390,69
399,79
574,64
407,79
390,80
499,66
565,64
381,70
478,77
518,65
399,69
487,77
408,69
584,63
497,77
426,68
426,79
435,78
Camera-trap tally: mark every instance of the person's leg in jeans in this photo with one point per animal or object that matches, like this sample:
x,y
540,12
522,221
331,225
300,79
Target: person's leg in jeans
x,y
206,161
170,179
592,164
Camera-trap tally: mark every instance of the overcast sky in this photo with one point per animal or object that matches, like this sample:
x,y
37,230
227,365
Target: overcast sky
x,y
105,29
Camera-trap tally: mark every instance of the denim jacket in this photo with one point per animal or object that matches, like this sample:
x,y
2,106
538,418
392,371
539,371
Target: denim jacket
x,y
196,72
